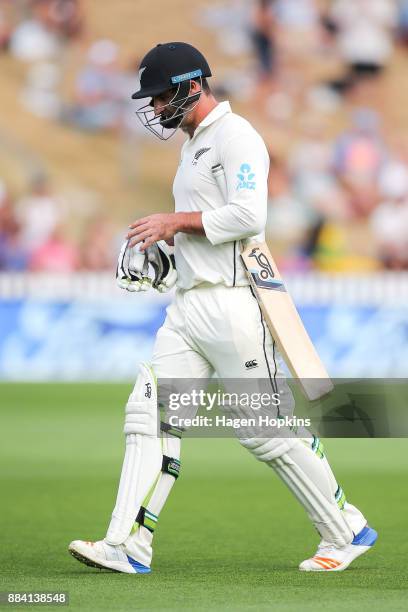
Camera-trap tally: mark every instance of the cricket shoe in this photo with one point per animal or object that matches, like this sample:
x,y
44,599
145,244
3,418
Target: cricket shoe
x,y
105,556
328,558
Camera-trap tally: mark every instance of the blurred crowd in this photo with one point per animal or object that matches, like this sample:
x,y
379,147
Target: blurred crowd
x,y
338,200
35,229
37,29
34,234
338,191
341,205
40,33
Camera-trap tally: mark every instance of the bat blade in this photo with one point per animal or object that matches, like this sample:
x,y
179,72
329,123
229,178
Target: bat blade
x,y
284,322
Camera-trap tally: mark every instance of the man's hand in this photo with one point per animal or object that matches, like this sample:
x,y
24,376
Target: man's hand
x,y
157,227
132,272
153,228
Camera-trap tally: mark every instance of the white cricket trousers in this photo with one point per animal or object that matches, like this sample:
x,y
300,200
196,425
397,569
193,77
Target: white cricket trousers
x,y
221,329
216,329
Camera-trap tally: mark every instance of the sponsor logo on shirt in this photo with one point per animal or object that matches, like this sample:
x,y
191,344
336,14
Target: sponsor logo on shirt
x,y
246,178
199,153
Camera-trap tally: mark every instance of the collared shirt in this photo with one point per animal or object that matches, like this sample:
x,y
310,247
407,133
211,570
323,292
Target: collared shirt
x,y
223,173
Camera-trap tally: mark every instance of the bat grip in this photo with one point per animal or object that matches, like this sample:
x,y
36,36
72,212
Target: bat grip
x,y
220,179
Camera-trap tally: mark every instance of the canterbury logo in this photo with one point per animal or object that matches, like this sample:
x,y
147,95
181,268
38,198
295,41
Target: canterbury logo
x,y
263,262
251,364
199,153
148,392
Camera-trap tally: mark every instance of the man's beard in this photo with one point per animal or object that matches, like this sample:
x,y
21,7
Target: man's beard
x,y
171,123
176,117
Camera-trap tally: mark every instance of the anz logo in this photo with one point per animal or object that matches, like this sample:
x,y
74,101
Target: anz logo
x,y
246,178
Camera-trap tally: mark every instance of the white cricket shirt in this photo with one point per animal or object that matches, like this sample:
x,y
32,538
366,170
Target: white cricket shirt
x,y
226,139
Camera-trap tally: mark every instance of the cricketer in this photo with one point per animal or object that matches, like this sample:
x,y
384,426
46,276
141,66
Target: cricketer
x,y
213,325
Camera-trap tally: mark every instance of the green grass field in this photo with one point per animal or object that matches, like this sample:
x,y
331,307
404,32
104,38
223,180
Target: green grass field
x,y
229,538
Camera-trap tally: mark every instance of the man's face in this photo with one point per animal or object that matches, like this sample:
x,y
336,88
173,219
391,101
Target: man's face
x,y
165,110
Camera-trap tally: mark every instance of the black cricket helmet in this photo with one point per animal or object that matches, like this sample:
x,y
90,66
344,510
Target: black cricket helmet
x,y
170,66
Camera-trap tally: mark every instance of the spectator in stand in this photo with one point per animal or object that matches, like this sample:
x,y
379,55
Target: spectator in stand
x,y
99,99
262,35
403,22
13,255
5,28
389,222
310,165
38,213
301,15
40,94
290,221
98,250
298,23
56,254
358,157
65,17
32,39
365,31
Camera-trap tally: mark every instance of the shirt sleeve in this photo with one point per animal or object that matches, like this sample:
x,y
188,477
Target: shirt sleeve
x,y
245,161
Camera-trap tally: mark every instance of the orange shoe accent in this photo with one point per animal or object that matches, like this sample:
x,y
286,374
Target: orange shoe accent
x,y
322,564
332,563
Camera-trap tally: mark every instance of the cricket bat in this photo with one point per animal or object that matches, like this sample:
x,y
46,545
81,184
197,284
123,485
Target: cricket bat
x,y
280,313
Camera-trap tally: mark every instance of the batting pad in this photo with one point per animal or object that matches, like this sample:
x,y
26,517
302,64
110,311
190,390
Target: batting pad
x,y
139,543
143,456
306,475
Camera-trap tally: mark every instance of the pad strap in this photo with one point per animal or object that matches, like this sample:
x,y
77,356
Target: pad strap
x,y
147,519
171,466
172,431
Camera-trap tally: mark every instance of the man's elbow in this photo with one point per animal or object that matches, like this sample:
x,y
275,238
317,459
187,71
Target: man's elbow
x,y
253,224
241,224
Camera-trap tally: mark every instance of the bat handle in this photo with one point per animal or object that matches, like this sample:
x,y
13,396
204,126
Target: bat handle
x,y
220,179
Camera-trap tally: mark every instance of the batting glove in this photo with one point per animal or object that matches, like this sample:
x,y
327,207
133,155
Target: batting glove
x,y
160,256
132,272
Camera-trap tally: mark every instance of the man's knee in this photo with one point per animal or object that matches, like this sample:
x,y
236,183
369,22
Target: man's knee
x,y
141,413
268,449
